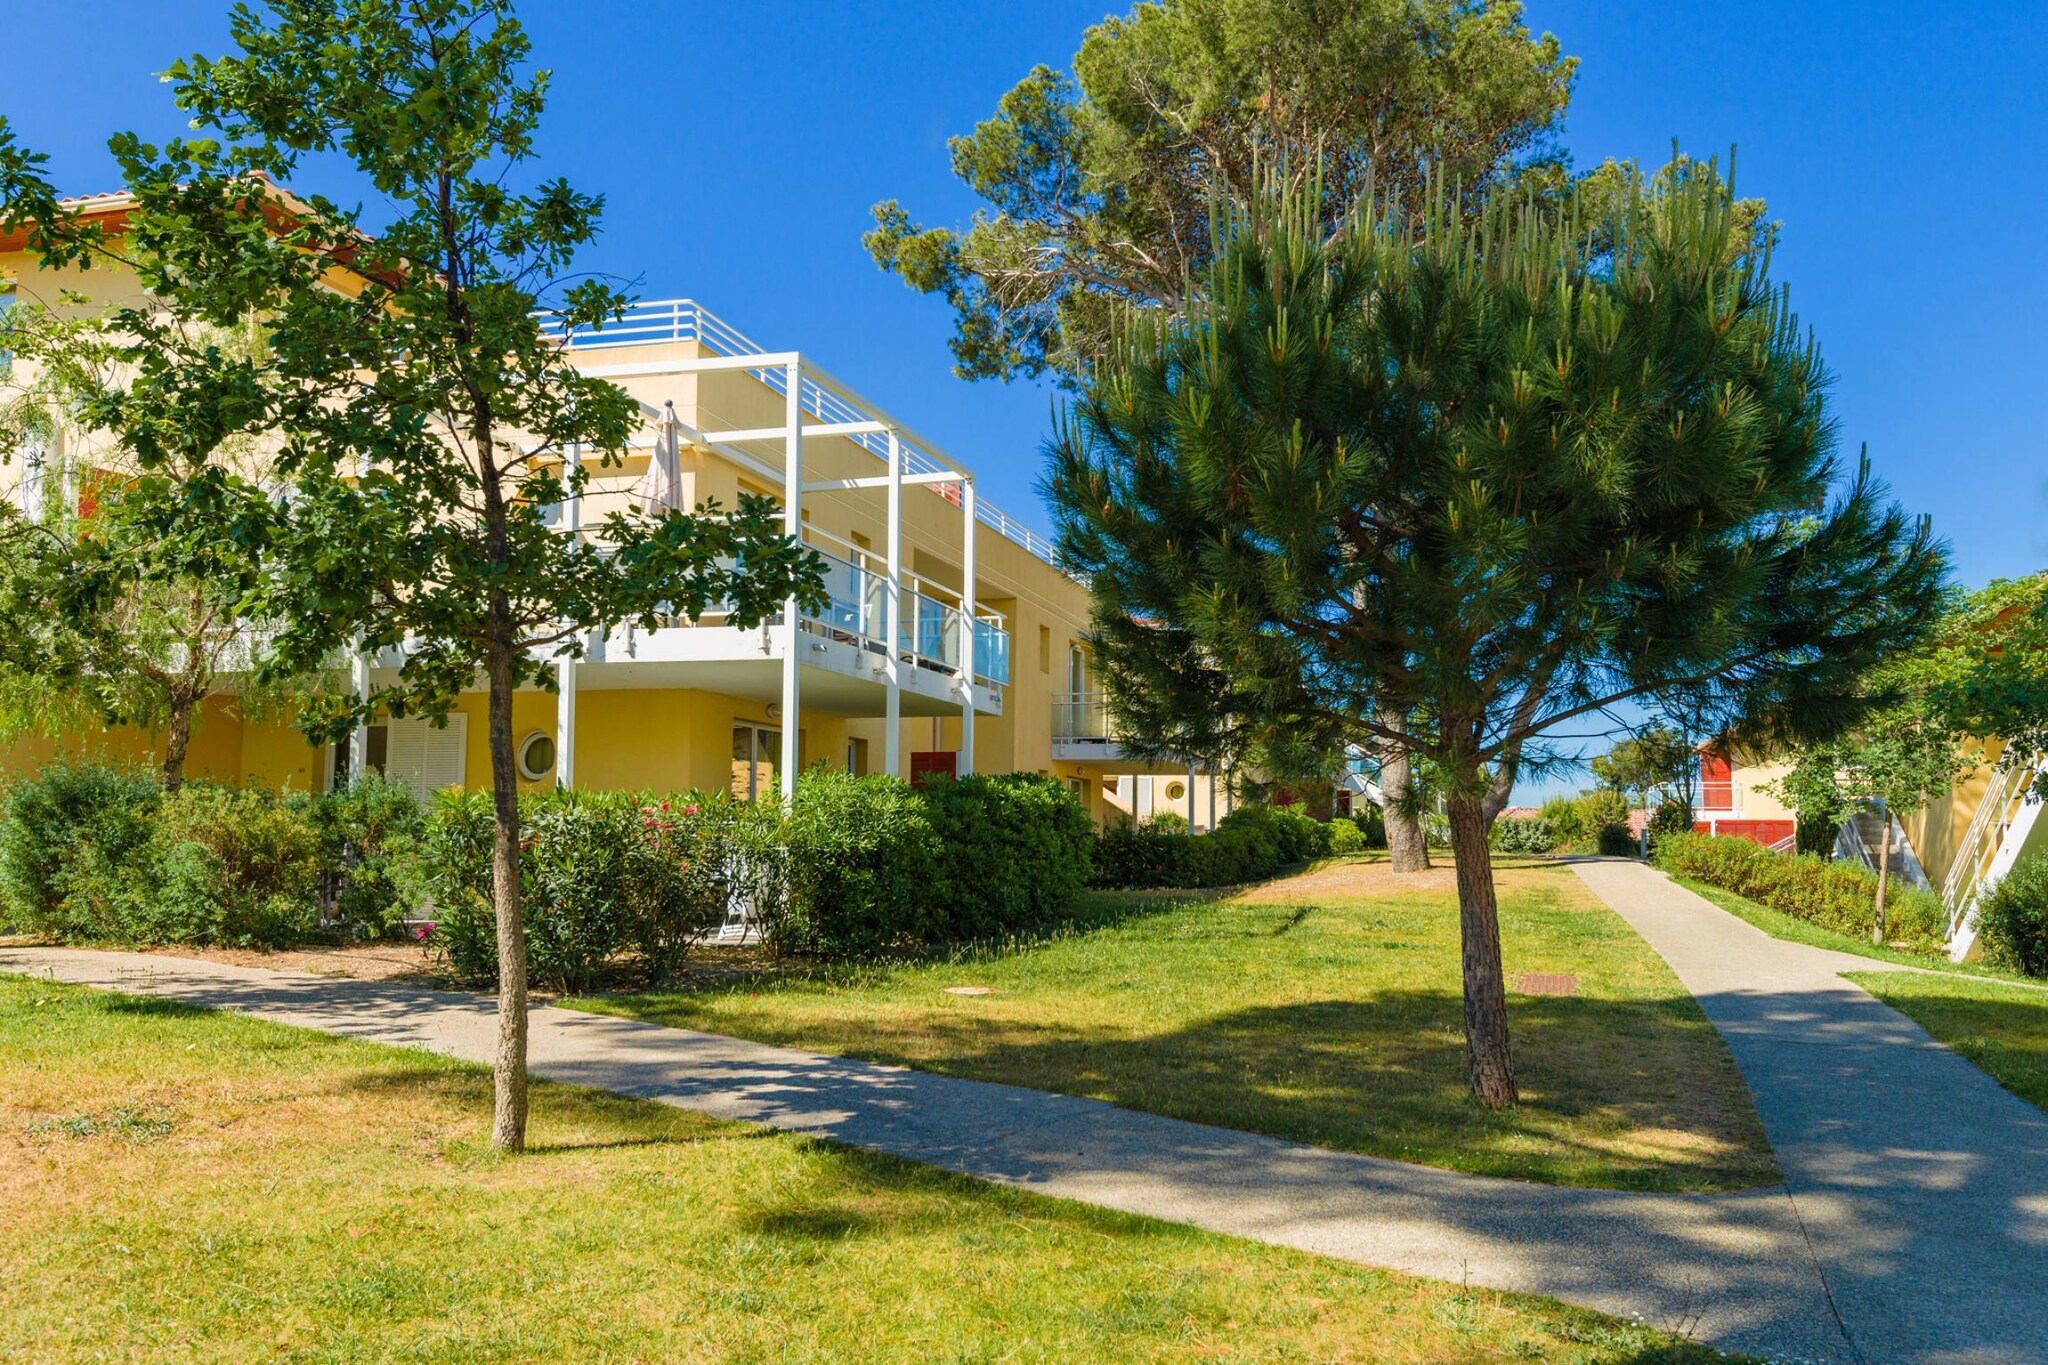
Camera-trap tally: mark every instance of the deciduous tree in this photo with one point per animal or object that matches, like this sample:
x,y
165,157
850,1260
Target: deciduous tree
x,y
415,405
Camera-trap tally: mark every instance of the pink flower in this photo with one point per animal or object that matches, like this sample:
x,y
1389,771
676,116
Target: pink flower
x,y
423,933
690,809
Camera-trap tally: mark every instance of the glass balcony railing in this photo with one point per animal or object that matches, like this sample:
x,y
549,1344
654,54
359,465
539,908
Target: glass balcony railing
x,y
1079,716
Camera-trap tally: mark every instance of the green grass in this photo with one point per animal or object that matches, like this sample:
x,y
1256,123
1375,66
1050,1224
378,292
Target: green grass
x,y
1324,1008
182,1185
2002,1027
1791,928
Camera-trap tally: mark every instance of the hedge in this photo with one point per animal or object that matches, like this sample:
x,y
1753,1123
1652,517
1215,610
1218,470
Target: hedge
x,y
1833,895
859,865
1249,844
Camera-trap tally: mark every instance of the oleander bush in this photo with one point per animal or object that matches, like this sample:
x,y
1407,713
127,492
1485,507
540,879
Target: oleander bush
x,y
1833,895
2012,918
1015,849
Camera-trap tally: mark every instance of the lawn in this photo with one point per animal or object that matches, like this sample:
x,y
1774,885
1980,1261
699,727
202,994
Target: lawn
x,y
1324,1008
1791,928
2000,1026
178,1184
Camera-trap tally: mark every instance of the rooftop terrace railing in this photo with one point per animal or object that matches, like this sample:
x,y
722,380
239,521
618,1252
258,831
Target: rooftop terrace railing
x,y
659,321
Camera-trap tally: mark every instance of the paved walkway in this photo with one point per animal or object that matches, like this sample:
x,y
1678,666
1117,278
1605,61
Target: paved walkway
x,y
1922,1184
1917,1212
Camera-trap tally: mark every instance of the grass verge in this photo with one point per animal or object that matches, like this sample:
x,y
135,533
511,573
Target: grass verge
x,y
1791,928
2000,1026
1324,1007
177,1184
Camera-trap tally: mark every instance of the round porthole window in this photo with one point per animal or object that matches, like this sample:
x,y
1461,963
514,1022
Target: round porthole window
x,y
1176,791
536,755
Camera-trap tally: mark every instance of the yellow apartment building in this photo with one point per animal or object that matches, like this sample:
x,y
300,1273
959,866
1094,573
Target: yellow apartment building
x,y
952,643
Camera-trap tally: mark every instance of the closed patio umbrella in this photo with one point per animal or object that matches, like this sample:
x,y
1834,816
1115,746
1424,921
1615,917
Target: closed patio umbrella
x,y
660,490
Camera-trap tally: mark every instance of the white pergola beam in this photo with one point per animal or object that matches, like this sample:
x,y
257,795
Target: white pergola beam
x,y
877,481
814,429
766,361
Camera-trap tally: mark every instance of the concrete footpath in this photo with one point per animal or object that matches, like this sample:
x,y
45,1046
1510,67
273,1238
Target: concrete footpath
x,y
1860,1260
1921,1183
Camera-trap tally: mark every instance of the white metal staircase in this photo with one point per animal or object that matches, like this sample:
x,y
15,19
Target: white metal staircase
x,y
1998,832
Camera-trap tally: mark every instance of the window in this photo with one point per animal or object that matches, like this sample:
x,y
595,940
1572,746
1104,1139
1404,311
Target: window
x,y
1176,791
1045,649
928,763
857,757
756,750
1079,787
414,753
1077,670
536,755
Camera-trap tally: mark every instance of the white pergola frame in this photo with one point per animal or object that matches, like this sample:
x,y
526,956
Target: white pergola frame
x,y
795,370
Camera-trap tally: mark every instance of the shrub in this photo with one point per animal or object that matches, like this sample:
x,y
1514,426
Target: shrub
x,y
1014,850
99,854
1531,834
863,860
1670,817
1833,895
1346,836
66,813
1616,841
1168,822
2012,918
601,875
1250,843
365,827
1373,823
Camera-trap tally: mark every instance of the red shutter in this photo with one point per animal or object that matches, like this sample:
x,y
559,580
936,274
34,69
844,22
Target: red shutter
x,y
1717,782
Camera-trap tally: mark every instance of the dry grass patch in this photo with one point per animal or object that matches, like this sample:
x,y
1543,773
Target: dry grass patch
x,y
296,1197
1324,1007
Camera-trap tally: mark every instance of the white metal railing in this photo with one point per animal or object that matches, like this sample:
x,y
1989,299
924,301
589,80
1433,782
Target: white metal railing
x,y
674,320
1978,862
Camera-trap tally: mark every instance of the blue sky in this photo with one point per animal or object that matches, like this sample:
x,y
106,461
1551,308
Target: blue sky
x,y
1904,147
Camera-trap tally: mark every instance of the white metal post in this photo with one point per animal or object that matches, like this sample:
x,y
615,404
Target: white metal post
x,y
359,738
967,609
793,527
1212,798
1191,796
892,597
565,667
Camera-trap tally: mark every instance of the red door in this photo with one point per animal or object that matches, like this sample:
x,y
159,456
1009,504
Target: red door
x,y
925,763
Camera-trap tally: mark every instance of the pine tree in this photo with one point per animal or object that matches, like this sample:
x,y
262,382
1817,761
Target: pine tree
x,y
1452,485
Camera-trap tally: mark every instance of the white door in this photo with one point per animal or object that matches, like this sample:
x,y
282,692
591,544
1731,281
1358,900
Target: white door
x,y
426,758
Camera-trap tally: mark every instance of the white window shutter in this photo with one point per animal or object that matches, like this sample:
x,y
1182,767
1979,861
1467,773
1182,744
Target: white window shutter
x,y
405,755
447,753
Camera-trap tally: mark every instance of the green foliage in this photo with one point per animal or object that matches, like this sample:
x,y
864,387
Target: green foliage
x,y
1984,675
2012,918
103,855
863,864
1265,495
1615,841
1576,821
1833,895
1249,844
1650,764
1098,185
1014,850
1670,817
68,813
366,826
1527,835
603,875
1345,836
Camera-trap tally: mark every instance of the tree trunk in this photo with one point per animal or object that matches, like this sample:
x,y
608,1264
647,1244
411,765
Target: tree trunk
x,y
177,739
508,1070
1407,849
1488,1065
1884,873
